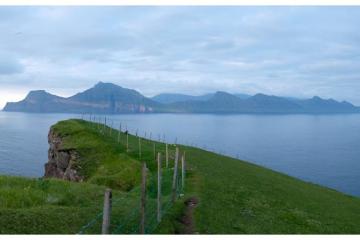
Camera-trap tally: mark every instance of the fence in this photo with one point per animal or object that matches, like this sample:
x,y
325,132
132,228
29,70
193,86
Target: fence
x,y
161,138
162,183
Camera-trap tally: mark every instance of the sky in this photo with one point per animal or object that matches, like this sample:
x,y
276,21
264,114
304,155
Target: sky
x,y
285,51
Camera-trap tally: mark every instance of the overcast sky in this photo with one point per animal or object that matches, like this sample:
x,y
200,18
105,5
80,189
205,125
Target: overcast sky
x,y
288,51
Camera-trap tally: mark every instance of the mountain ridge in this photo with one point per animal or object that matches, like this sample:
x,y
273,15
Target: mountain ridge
x,y
109,98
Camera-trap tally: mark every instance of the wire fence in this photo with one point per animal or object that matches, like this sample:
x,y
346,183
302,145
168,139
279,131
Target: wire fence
x,y
160,137
126,213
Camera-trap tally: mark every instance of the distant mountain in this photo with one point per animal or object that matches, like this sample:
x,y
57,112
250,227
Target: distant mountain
x,y
242,95
38,101
319,105
112,99
272,104
102,98
167,98
220,102
223,102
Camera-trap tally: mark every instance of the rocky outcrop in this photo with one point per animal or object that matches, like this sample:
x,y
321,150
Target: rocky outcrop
x,y
61,161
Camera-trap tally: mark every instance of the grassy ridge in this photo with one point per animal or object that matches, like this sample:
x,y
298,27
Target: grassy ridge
x,y
56,206
238,197
234,196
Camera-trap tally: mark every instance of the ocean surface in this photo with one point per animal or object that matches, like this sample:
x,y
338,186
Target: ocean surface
x,y
323,149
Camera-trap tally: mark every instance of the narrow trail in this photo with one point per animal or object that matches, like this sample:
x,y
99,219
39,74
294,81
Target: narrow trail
x,y
187,219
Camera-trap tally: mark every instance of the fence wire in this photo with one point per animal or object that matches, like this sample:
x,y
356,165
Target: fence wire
x,y
130,223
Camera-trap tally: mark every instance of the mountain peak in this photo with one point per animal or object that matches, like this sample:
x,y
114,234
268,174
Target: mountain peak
x,y
260,95
104,84
316,98
38,94
222,93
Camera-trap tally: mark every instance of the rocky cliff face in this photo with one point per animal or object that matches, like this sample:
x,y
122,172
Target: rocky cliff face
x,y
61,162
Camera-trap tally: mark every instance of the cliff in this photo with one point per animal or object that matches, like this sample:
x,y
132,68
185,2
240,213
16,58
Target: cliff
x,y
61,161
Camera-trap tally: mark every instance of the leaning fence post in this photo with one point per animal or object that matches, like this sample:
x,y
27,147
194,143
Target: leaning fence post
x,y
159,188
167,155
174,183
143,199
183,171
106,212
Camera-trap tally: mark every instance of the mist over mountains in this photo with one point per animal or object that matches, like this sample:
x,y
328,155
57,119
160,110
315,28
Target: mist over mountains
x,y
108,98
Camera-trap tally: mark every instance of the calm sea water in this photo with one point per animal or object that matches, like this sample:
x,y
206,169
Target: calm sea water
x,y
323,149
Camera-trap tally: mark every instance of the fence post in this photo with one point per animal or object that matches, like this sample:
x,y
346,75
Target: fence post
x,y
167,155
139,148
106,212
127,142
174,183
111,126
119,133
183,171
159,188
143,199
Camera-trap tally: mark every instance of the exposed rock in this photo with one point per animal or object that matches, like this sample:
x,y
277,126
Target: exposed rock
x,y
61,162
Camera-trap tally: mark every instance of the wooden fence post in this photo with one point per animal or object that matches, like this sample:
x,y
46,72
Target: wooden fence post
x,y
139,148
143,199
183,171
167,155
106,212
127,142
174,183
159,188
111,126
119,133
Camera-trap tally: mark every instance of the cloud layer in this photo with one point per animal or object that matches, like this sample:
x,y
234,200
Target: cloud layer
x,y
289,51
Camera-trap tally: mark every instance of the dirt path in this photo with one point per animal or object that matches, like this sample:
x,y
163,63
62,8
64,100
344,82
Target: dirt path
x,y
187,218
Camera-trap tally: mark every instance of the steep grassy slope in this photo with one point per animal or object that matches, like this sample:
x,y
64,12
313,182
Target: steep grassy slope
x,y
234,196
238,197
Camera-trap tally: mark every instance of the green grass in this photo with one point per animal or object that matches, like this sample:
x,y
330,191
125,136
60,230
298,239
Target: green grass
x,y
234,196
238,197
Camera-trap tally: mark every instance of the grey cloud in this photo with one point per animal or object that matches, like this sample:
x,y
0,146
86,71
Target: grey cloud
x,y
9,67
275,50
